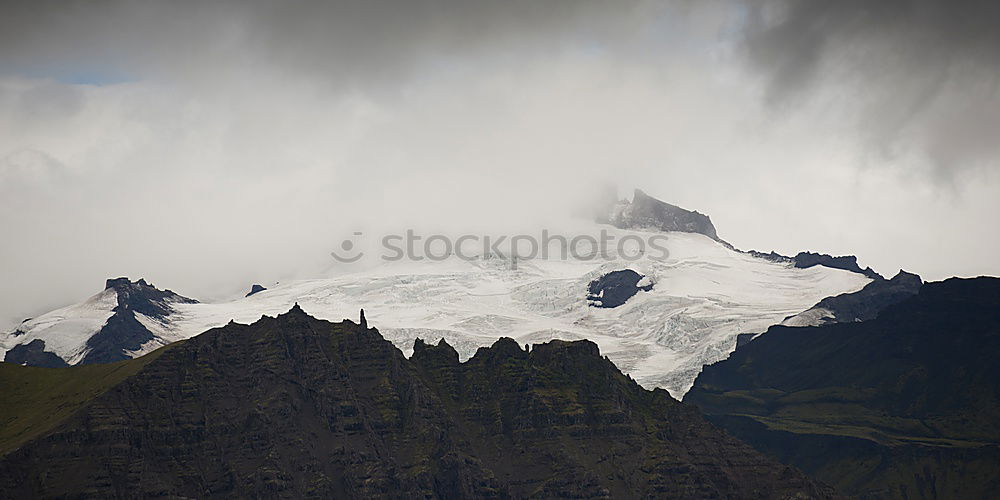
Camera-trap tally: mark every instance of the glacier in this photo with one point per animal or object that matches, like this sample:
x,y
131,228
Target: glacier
x,y
705,294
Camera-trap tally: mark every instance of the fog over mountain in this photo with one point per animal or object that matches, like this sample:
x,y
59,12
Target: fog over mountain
x,y
209,146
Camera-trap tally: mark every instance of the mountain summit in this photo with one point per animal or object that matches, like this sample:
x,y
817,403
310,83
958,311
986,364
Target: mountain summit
x,y
646,212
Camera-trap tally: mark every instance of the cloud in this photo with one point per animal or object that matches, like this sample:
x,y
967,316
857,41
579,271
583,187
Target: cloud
x,y
347,42
919,76
249,138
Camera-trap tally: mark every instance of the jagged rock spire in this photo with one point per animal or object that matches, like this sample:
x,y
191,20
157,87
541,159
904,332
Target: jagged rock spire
x,y
364,322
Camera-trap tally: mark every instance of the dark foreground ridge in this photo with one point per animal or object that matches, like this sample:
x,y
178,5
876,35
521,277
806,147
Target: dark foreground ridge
x,y
298,407
906,405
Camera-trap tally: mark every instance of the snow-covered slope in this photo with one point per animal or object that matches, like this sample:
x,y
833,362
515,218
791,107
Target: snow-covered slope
x,y
703,295
127,319
65,331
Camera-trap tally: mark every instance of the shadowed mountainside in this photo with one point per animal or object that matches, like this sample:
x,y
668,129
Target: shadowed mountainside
x,y
903,406
863,305
298,407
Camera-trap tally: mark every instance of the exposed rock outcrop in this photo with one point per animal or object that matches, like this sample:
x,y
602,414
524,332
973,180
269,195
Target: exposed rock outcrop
x,y
615,288
646,212
845,262
33,354
806,260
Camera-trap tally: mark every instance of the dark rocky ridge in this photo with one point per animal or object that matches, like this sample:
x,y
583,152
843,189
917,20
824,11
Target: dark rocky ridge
x,y
846,262
615,288
906,405
646,212
805,260
255,289
145,298
297,407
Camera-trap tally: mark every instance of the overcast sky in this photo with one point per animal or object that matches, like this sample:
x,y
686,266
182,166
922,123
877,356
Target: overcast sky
x,y
208,145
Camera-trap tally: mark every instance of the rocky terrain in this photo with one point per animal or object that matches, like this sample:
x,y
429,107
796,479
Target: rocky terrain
x,y
805,260
906,405
646,212
615,288
295,407
863,305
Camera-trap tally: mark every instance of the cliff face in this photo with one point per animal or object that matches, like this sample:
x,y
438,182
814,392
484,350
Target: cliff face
x,y
906,405
297,407
560,420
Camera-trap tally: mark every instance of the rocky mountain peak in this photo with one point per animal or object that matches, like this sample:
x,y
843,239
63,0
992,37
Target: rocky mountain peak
x,y
568,356
502,349
443,352
143,297
907,279
294,313
646,212
124,331
118,283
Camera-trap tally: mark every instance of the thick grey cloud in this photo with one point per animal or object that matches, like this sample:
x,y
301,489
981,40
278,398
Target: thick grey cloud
x,y
208,145
920,75
358,42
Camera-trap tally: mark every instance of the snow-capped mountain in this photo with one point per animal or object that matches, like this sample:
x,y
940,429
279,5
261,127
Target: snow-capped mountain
x,y
660,321
125,320
646,212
